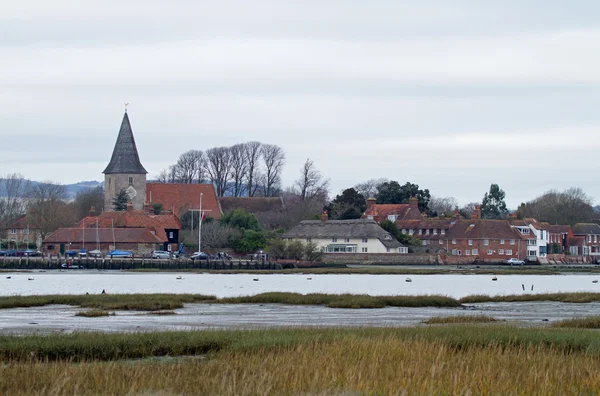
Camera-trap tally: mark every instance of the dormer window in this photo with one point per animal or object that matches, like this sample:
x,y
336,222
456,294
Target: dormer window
x,y
420,231
435,231
411,232
404,230
370,217
392,217
443,232
427,232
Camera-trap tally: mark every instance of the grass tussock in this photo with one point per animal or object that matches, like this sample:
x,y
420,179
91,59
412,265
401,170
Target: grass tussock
x,y
160,313
343,300
582,297
108,302
590,322
460,319
449,360
94,314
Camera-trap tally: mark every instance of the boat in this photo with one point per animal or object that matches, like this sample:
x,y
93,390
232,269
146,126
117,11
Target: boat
x,y
595,281
179,277
255,279
30,278
408,280
494,278
8,277
308,278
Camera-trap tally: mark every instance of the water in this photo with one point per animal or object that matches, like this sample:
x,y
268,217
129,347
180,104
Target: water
x,y
232,285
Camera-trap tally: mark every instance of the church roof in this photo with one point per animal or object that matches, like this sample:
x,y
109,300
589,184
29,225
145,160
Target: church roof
x,y
125,158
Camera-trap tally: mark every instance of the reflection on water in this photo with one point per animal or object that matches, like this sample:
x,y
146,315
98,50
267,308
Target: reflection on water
x,y
244,284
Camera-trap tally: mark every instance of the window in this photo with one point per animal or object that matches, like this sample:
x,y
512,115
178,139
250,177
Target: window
x,y
109,182
13,231
474,252
308,240
531,242
512,241
404,230
26,231
364,250
509,252
420,231
387,249
392,217
411,232
490,252
454,252
589,238
130,180
467,252
454,241
26,240
370,217
365,240
333,239
501,241
424,243
171,234
441,242
427,231
500,251
531,253
435,231
459,252
443,232
486,242
470,242
347,240
595,240
403,250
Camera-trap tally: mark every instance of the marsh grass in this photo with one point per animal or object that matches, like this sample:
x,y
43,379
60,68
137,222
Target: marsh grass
x,y
160,313
466,359
94,314
582,297
590,322
343,300
460,319
108,302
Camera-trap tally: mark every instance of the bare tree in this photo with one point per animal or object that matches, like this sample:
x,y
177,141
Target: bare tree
x,y
467,210
47,209
239,168
274,159
311,183
368,189
253,153
189,167
85,199
167,175
13,203
560,207
443,206
218,160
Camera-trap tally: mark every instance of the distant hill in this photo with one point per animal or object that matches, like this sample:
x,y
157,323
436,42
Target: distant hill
x,y
72,189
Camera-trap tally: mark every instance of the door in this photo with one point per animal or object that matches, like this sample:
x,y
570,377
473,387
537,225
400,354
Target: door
x,y
62,248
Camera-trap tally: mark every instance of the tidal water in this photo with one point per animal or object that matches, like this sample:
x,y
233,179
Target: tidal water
x,y
229,285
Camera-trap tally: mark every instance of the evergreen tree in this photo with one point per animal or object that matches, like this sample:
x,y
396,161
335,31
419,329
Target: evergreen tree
x,y
493,205
121,200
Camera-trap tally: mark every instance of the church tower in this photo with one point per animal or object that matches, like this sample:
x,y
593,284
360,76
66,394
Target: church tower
x,y
125,171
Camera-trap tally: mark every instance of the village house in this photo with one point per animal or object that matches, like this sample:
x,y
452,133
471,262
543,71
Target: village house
x,y
539,237
560,235
20,234
140,241
345,236
392,212
586,240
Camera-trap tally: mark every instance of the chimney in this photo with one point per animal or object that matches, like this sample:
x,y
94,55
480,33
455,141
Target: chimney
x,y
93,211
413,203
456,214
129,207
370,203
324,216
513,216
476,215
149,209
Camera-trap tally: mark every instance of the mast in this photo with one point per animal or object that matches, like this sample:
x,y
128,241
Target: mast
x,y
200,226
97,237
83,234
113,232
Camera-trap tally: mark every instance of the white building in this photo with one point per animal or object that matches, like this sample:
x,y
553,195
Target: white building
x,y
346,236
537,244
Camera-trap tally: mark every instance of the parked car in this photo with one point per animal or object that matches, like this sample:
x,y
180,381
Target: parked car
x,y
222,256
3,253
32,253
199,256
120,254
514,261
160,254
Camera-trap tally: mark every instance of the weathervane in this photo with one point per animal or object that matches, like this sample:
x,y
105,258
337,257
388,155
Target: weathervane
x,y
126,104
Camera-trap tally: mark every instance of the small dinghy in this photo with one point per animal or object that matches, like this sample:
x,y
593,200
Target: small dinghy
x,y
308,278
494,278
179,277
595,281
8,277
255,279
30,278
408,280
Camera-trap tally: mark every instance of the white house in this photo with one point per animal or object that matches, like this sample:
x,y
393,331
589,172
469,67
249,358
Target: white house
x,y
537,244
346,236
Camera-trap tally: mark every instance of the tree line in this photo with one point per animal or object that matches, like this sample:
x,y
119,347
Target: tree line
x,y
245,169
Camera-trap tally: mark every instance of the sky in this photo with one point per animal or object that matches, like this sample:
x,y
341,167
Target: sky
x,y
450,95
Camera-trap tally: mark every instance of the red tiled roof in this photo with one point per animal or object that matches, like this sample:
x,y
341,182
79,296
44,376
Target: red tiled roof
x,y
182,197
103,235
381,212
20,223
559,229
425,224
484,229
133,219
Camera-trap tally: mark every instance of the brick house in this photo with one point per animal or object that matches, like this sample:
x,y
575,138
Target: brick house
x,y
140,241
180,198
538,240
560,235
392,212
19,233
586,240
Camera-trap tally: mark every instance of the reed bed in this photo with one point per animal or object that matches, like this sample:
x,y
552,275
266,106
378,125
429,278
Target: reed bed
x,y
582,297
590,322
459,319
161,313
127,302
357,361
94,314
343,300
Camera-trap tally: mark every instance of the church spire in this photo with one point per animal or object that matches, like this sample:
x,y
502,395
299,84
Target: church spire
x,y
125,158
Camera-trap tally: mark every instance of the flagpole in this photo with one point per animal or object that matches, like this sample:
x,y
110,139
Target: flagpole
x,y
200,225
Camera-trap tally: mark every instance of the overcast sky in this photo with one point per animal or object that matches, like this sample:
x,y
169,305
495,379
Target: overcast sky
x,y
451,95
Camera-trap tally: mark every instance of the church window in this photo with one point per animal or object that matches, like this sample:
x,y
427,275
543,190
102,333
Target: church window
x,y
131,180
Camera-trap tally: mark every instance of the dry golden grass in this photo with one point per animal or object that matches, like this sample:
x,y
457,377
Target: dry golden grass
x,y
381,364
590,322
94,314
460,319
